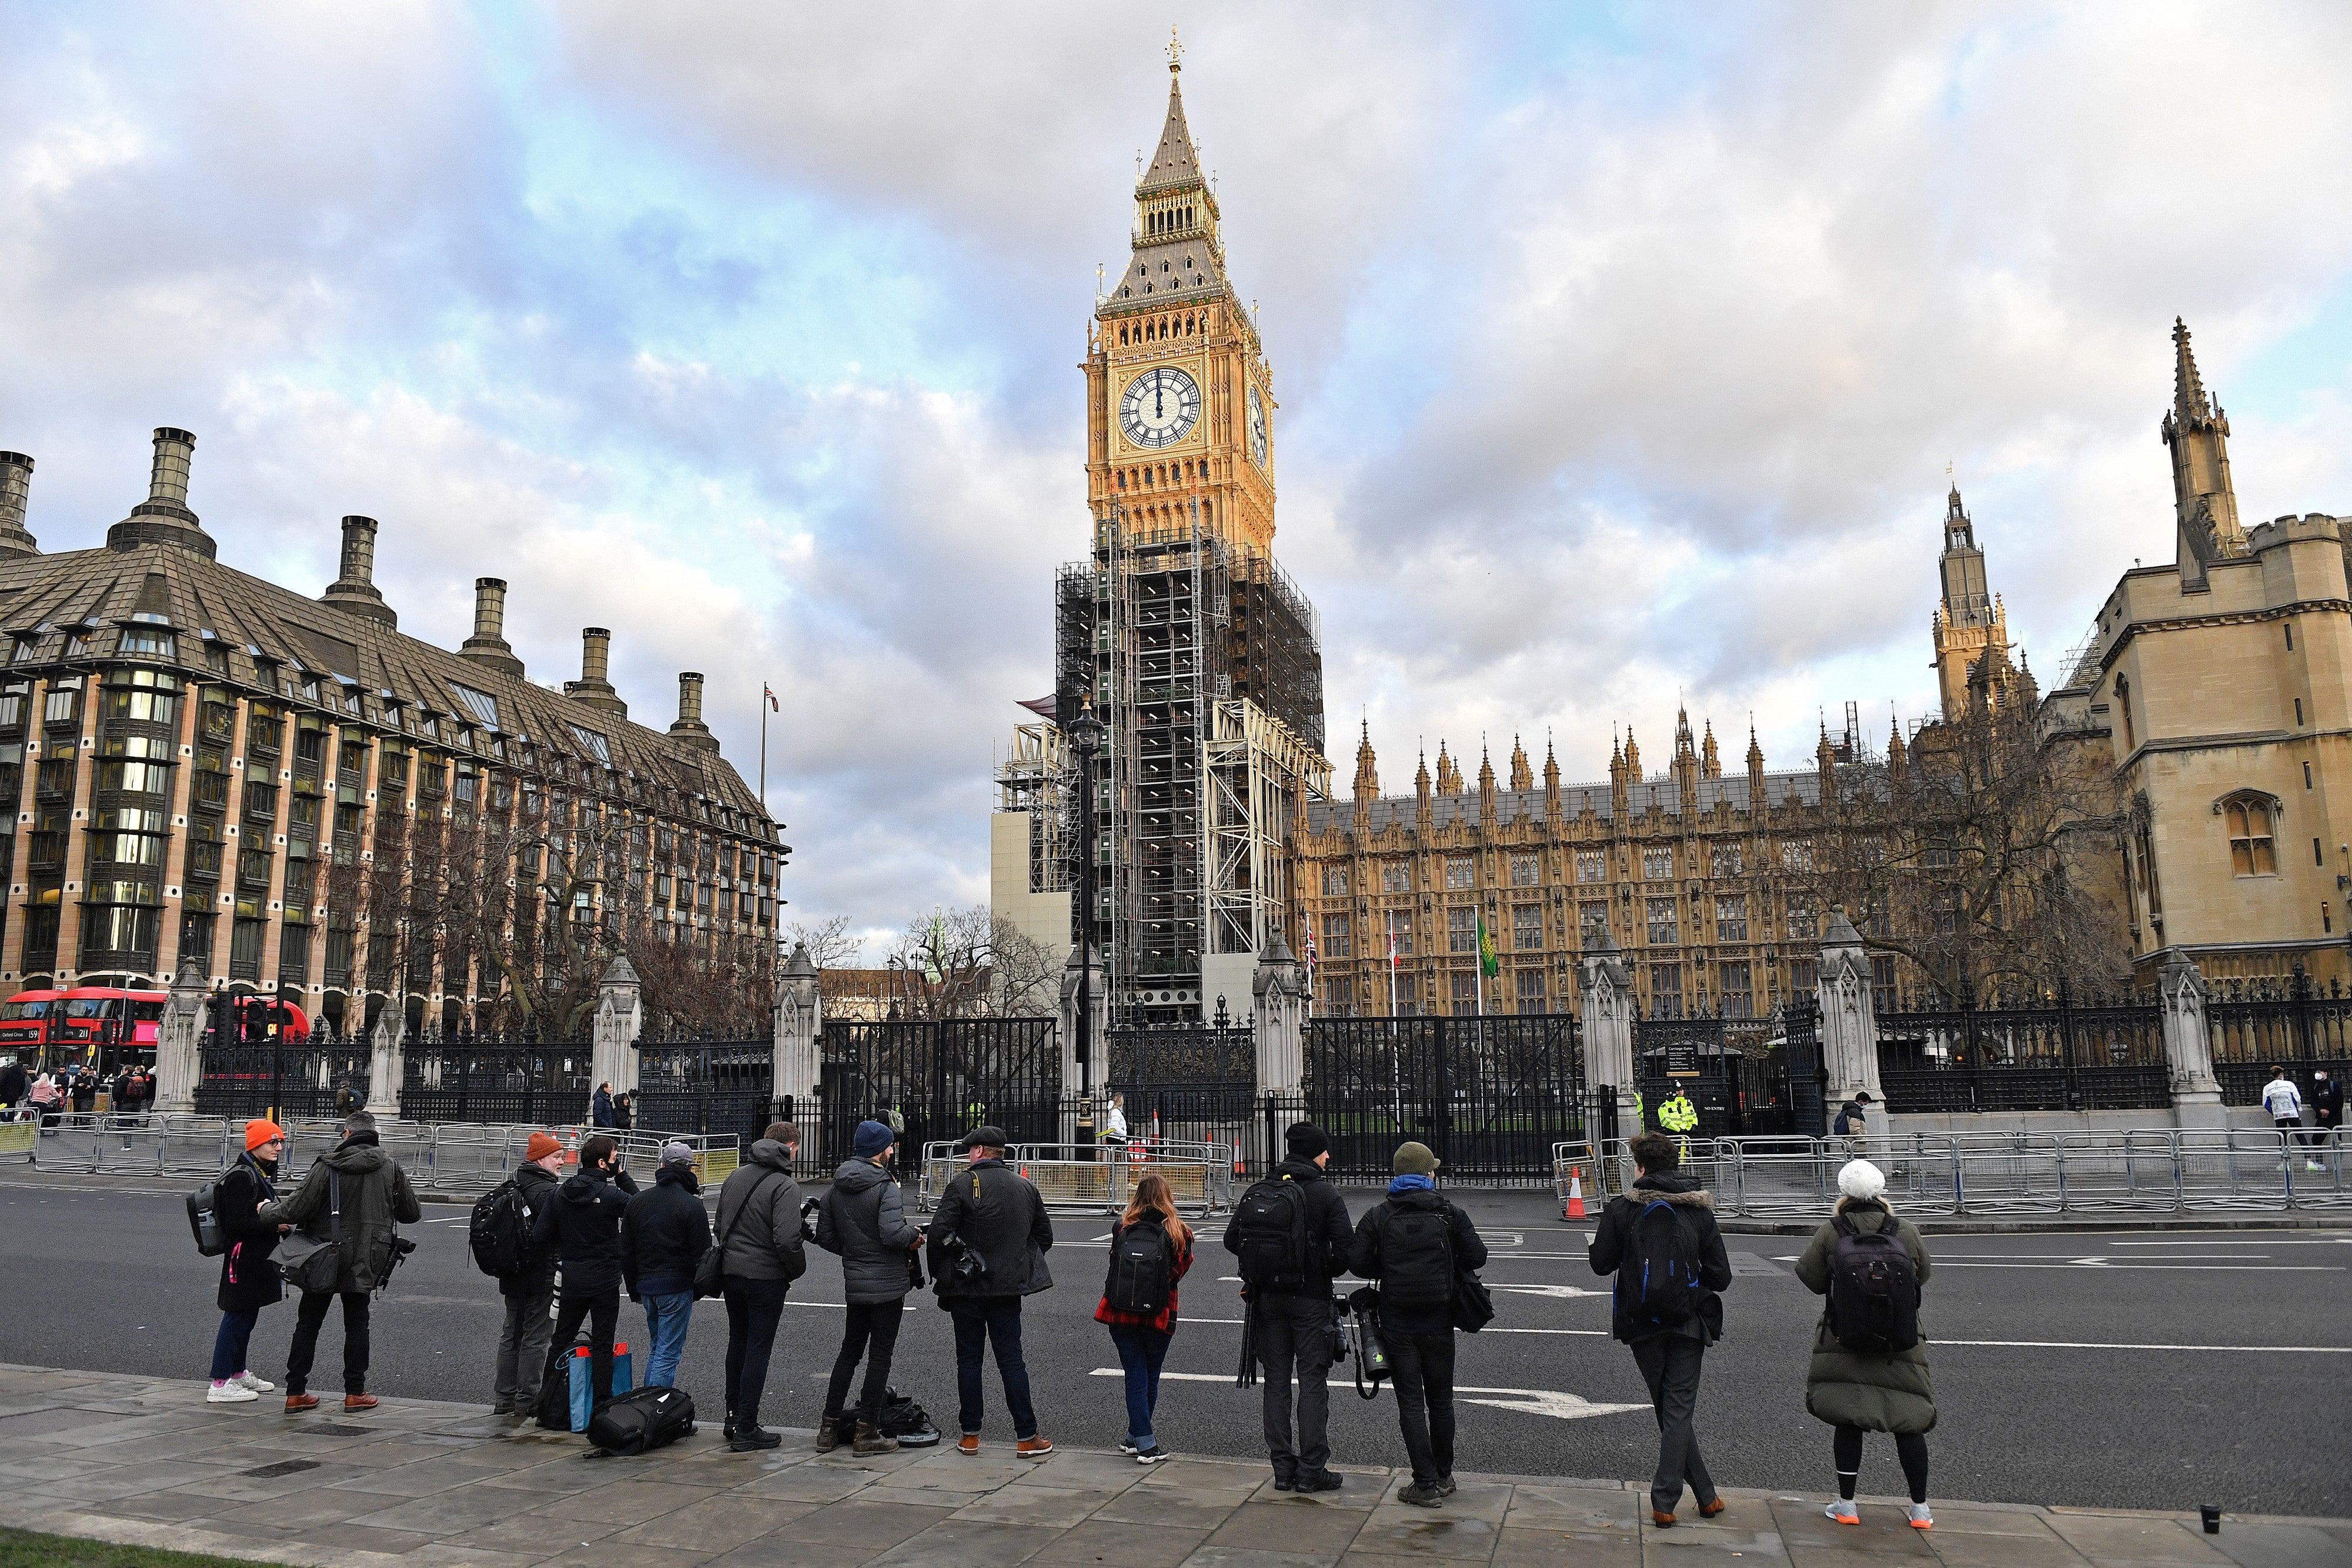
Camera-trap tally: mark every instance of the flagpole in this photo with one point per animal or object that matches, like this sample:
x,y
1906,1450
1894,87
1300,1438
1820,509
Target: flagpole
x,y
763,746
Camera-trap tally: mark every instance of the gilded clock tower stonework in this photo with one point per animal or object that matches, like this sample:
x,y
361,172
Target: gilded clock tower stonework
x,y
1200,656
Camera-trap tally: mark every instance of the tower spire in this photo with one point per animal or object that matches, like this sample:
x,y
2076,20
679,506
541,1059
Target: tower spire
x,y
2205,503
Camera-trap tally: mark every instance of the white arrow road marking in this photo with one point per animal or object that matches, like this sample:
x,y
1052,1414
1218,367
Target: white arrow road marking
x,y
1560,1405
1557,1292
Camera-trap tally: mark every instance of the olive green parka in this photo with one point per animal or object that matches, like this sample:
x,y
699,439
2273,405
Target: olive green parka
x,y
1887,1393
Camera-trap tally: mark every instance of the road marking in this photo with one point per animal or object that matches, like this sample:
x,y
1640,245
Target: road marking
x,y
2198,1349
1557,1292
2154,1266
1558,1405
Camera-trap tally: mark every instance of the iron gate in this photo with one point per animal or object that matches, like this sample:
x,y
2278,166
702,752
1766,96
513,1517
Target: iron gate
x,y
305,1078
500,1082
1189,1082
706,1086
1688,1054
941,1077
1489,1096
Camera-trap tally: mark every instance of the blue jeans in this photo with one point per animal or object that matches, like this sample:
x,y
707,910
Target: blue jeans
x,y
666,1321
229,1344
984,1320
1140,1352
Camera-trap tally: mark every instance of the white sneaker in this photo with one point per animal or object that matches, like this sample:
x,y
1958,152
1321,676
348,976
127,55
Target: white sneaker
x,y
1843,1511
258,1385
229,1393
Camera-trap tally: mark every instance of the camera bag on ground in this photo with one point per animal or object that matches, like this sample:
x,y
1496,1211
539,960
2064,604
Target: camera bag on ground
x,y
641,1421
899,1417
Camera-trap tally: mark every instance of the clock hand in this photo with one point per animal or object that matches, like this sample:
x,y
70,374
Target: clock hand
x,y
1159,394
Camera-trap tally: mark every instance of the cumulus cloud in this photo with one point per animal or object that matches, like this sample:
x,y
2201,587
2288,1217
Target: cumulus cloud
x,y
1617,363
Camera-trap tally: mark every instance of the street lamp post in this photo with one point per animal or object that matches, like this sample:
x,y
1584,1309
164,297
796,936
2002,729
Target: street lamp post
x,y
1085,739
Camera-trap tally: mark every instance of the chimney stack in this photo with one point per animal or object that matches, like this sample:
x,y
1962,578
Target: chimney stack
x,y
163,518
487,646
595,685
689,727
354,591
16,485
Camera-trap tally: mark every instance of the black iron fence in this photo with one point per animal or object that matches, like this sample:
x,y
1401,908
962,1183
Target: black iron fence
x,y
706,1086
2291,1025
2056,1056
1193,1082
940,1078
496,1081
1490,1095
288,1078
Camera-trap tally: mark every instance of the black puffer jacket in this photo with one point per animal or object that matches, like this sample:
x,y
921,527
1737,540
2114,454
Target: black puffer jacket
x,y
584,1225
663,1234
864,1219
1365,1259
992,1210
1328,1231
536,1187
250,1279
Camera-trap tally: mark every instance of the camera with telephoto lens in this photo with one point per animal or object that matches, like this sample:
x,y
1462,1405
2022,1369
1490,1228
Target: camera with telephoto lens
x,y
963,1259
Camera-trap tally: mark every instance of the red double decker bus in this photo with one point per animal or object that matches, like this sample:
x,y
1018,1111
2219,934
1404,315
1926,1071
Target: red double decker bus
x,y
103,1027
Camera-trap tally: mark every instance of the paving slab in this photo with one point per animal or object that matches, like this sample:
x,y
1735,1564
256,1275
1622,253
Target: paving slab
x,y
143,1461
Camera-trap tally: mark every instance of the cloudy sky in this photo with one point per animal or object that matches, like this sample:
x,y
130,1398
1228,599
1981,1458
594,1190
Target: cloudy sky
x,y
1620,351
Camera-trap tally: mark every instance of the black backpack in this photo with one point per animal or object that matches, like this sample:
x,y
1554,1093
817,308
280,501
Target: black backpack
x,y
204,1218
1270,1236
642,1420
498,1233
1416,1257
1140,1264
1873,1301
1657,1282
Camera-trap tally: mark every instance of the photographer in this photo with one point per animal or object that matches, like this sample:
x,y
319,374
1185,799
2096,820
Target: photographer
x,y
988,1243
358,1194
863,1220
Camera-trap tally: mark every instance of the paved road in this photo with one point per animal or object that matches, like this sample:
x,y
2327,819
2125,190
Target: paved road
x,y
2121,1370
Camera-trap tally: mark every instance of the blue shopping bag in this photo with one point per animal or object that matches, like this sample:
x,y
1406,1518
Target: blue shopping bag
x,y
583,1384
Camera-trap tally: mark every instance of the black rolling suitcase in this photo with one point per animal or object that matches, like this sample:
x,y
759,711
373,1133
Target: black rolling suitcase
x,y
642,1420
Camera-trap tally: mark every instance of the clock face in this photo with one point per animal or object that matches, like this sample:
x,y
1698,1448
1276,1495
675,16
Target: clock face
x,y
1160,407
1257,426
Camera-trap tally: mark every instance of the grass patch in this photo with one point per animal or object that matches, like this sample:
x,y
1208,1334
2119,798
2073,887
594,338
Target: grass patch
x,y
25,1548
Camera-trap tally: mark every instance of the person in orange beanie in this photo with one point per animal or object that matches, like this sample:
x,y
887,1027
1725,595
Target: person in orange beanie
x,y
248,1279
528,1289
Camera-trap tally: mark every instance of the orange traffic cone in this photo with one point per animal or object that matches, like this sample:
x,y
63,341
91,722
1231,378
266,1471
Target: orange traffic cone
x,y
1575,1209
1024,1173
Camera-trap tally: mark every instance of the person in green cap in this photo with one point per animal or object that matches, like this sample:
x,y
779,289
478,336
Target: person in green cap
x,y
1413,1243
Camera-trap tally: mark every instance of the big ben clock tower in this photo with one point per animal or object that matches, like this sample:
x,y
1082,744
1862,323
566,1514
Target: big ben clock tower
x,y
1198,654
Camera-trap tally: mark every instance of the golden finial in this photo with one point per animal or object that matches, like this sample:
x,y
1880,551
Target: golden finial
x,y
1175,52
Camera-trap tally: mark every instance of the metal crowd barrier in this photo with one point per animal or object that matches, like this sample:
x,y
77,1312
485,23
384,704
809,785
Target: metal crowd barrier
x,y
2151,1170
1094,1178
450,1156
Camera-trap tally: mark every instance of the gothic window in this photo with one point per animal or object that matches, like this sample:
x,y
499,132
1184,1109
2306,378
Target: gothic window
x,y
1335,881
1590,918
1523,870
1461,930
2123,706
1727,859
2252,849
1738,991
1458,872
1664,923
1658,865
1531,990
1466,992
1591,865
1400,923
1796,854
1801,924
1340,997
1396,876
1882,985
1804,975
1666,990
1731,918
1339,936
1527,928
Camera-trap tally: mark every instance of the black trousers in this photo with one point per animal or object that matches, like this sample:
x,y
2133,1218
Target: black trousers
x,y
871,1331
308,1318
1421,1366
1670,1365
602,1312
1294,1332
754,1308
1910,1447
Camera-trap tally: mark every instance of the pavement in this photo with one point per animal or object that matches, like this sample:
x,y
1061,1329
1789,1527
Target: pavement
x,y
2134,1369
428,1484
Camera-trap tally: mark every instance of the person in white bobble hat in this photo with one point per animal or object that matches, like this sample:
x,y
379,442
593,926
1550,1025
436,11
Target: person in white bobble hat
x,y
1869,1371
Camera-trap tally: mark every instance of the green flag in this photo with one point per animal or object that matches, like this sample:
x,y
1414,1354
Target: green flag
x,y
1488,965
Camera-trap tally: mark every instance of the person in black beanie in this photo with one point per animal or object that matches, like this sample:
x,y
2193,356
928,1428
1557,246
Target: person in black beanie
x,y
1287,1283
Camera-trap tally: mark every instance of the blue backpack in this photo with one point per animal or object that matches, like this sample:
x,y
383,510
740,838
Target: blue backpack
x,y
1657,1282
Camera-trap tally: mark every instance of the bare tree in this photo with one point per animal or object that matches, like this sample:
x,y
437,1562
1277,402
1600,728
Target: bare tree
x,y
965,963
830,944
1987,855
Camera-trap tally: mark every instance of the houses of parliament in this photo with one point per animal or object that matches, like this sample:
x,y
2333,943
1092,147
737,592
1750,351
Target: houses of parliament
x,y
2214,689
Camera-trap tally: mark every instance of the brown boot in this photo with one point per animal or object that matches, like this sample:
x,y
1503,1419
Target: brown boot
x,y
870,1440
359,1401
828,1434
298,1402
